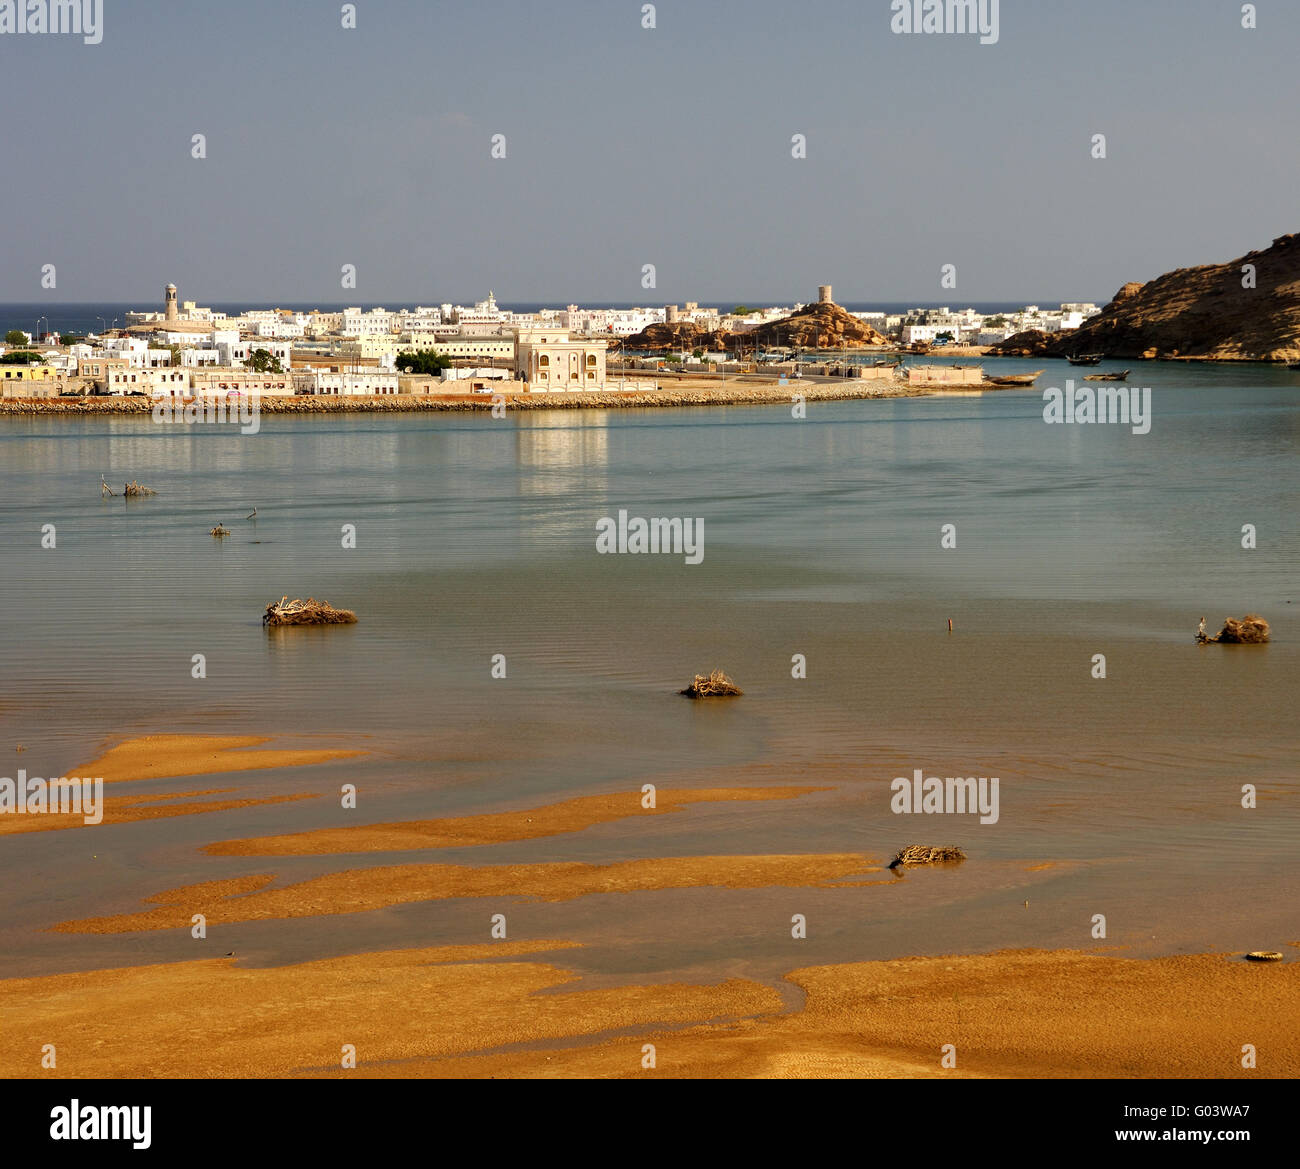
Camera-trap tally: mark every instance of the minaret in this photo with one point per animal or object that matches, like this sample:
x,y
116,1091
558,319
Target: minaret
x,y
171,314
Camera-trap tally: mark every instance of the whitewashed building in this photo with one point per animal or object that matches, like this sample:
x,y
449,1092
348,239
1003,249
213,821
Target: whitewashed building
x,y
367,382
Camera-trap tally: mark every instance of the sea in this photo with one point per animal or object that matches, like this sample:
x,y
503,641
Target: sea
x,y
1142,777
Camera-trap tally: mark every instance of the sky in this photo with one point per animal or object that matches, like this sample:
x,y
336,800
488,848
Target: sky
x,y
628,146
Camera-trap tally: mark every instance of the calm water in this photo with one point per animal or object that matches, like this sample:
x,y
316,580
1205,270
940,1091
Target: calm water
x,y
476,537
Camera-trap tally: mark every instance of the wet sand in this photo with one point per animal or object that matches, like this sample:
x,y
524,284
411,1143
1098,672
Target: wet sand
x,y
152,757
169,756
464,1011
501,827
359,890
129,809
517,1008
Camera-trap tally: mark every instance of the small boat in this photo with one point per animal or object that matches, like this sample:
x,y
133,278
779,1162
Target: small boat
x,y
1086,359
1122,375
1017,379
1294,365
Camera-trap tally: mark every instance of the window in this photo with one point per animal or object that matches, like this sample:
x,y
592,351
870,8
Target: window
x,y
591,359
546,360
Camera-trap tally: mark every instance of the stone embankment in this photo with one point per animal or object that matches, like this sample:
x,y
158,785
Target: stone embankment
x,y
683,394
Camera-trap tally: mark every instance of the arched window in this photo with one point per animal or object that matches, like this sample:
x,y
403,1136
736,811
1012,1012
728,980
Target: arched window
x,y
545,361
591,359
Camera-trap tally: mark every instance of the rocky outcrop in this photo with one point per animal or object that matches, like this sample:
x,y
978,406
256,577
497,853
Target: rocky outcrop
x,y
816,325
678,337
1245,310
825,326
1030,343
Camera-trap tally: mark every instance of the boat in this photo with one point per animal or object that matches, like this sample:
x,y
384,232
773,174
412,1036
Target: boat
x,y
1122,375
1086,359
1016,379
1294,365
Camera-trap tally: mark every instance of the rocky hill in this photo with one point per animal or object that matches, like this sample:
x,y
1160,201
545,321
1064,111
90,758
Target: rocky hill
x,y
1205,312
817,325
824,325
677,337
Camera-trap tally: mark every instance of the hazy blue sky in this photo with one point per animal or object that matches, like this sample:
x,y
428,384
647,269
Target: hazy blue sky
x,y
628,146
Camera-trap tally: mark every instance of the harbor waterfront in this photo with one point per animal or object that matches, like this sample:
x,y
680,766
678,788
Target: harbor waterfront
x,y
474,538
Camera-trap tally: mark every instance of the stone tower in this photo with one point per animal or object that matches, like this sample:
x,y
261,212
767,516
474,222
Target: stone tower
x,y
824,294
171,314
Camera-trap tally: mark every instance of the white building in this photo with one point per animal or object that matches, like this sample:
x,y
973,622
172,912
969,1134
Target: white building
x,y
375,323
551,361
369,382
237,352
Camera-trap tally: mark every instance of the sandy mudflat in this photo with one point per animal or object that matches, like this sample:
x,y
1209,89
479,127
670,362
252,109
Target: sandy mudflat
x,y
165,756
492,828
450,1011
1053,1014
170,756
359,890
128,809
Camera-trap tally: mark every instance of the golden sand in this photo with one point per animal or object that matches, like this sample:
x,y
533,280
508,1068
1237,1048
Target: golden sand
x,y
165,756
294,1020
450,1011
128,809
494,828
359,890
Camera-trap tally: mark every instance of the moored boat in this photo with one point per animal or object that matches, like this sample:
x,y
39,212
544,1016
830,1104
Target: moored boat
x,y
1107,377
1086,359
1016,379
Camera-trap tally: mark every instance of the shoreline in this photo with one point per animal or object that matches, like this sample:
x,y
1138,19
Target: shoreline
x,y
531,1006
680,395
1054,1014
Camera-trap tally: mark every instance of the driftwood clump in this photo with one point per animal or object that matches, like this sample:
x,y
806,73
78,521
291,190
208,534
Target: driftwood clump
x,y
714,685
219,531
920,854
1250,630
308,612
132,489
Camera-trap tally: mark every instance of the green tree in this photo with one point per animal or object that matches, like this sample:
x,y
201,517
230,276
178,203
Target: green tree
x,y
21,357
743,310
425,361
71,338
261,361
15,337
